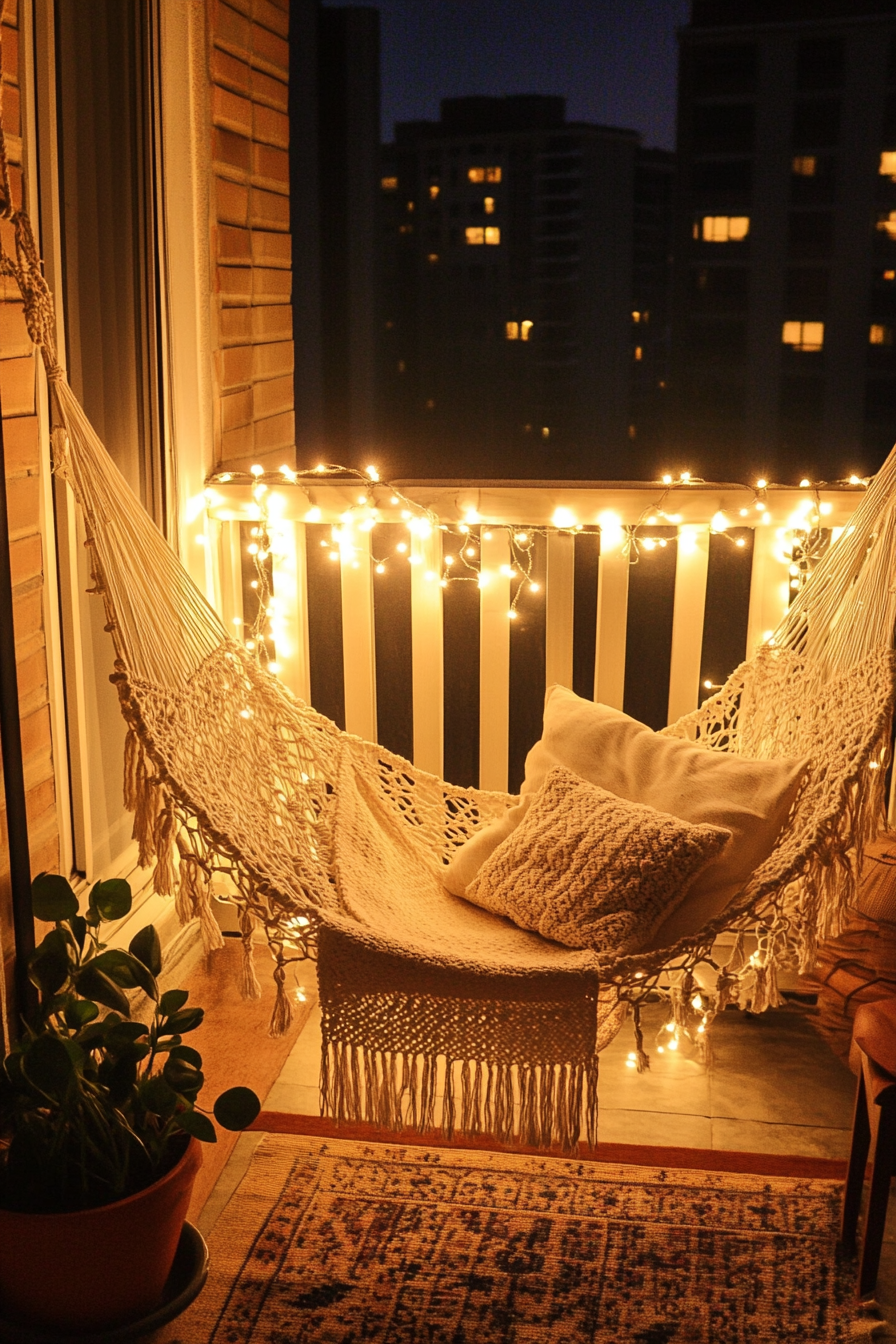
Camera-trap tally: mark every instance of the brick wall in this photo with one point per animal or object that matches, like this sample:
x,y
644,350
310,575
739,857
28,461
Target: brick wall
x,y
251,246
17,391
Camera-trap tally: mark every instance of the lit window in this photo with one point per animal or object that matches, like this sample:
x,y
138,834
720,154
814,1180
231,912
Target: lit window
x,y
512,331
484,174
433,258
475,235
525,328
410,207
888,163
489,204
804,165
493,235
889,275
433,191
389,183
878,334
722,228
887,224
636,317
405,228
639,353
545,432
803,335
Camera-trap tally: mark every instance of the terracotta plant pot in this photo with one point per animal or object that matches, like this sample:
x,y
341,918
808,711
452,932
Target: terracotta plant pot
x,y
75,1272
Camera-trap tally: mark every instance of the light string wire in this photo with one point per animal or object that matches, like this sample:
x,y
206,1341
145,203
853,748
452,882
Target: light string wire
x,y
463,563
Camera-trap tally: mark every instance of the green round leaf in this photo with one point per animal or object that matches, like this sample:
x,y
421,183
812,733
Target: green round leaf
x,y
172,1000
47,1064
237,1108
197,1124
79,1012
52,898
93,984
187,1019
145,946
112,899
126,971
186,1052
49,965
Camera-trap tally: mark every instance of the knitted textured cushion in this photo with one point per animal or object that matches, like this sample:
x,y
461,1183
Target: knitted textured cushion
x,y
750,798
589,869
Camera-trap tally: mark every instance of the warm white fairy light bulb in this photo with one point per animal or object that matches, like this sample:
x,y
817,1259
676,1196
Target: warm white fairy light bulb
x,y
256,470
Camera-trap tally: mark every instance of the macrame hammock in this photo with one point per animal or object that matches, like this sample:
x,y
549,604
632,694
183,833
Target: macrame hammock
x,y
435,1012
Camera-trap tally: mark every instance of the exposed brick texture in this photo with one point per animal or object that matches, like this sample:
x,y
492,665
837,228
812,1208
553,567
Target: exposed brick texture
x,y
20,437
251,251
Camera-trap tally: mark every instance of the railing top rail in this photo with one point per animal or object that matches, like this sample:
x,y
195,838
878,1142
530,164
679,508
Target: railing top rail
x,y
537,503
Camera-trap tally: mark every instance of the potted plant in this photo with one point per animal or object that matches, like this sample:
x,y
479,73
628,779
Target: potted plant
x,y
99,1123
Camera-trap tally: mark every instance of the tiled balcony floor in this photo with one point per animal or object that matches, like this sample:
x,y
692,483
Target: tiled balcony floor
x,y
769,1085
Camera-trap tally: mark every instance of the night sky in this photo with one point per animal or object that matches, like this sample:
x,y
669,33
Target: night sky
x,y
613,60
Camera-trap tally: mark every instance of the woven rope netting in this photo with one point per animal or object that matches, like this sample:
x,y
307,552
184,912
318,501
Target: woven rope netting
x,y
434,1010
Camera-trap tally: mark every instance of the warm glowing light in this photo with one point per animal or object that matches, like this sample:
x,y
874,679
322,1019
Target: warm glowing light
x,y
521,538
472,517
887,166
803,335
490,174
507,571
274,667
722,228
201,540
511,615
854,480
525,328
649,544
761,483
449,559
313,515
825,507
685,476
257,470
719,523
534,587
667,478
512,331
740,542
401,547
381,569
804,165
563,518
489,205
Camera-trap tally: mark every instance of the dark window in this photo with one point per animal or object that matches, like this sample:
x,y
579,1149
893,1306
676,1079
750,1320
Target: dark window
x,y
820,63
559,164
722,175
559,249
880,399
816,123
561,207
718,342
716,398
888,130
719,288
802,398
812,179
810,233
725,126
891,62
807,290
725,70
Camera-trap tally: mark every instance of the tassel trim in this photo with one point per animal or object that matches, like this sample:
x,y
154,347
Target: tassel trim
x,y
541,1106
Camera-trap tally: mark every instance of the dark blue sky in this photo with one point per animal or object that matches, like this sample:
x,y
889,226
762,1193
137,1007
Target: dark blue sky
x,y
613,60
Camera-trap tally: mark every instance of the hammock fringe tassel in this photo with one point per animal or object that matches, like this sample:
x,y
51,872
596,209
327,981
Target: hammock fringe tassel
x,y
541,1106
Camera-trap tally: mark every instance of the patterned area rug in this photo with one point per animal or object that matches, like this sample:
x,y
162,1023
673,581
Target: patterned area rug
x,y
341,1241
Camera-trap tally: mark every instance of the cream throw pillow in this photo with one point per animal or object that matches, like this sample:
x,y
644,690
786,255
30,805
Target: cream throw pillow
x,y
588,869
469,857
749,798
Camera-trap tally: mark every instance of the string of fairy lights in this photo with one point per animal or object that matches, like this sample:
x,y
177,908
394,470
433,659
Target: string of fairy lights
x,y
462,542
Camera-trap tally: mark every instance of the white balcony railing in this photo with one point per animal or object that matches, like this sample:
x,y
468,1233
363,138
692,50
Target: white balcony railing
x,y
779,518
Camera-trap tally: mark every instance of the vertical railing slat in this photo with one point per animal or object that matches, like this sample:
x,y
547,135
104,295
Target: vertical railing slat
x,y
769,585
494,662
691,569
612,613
358,654
291,594
427,655
559,609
